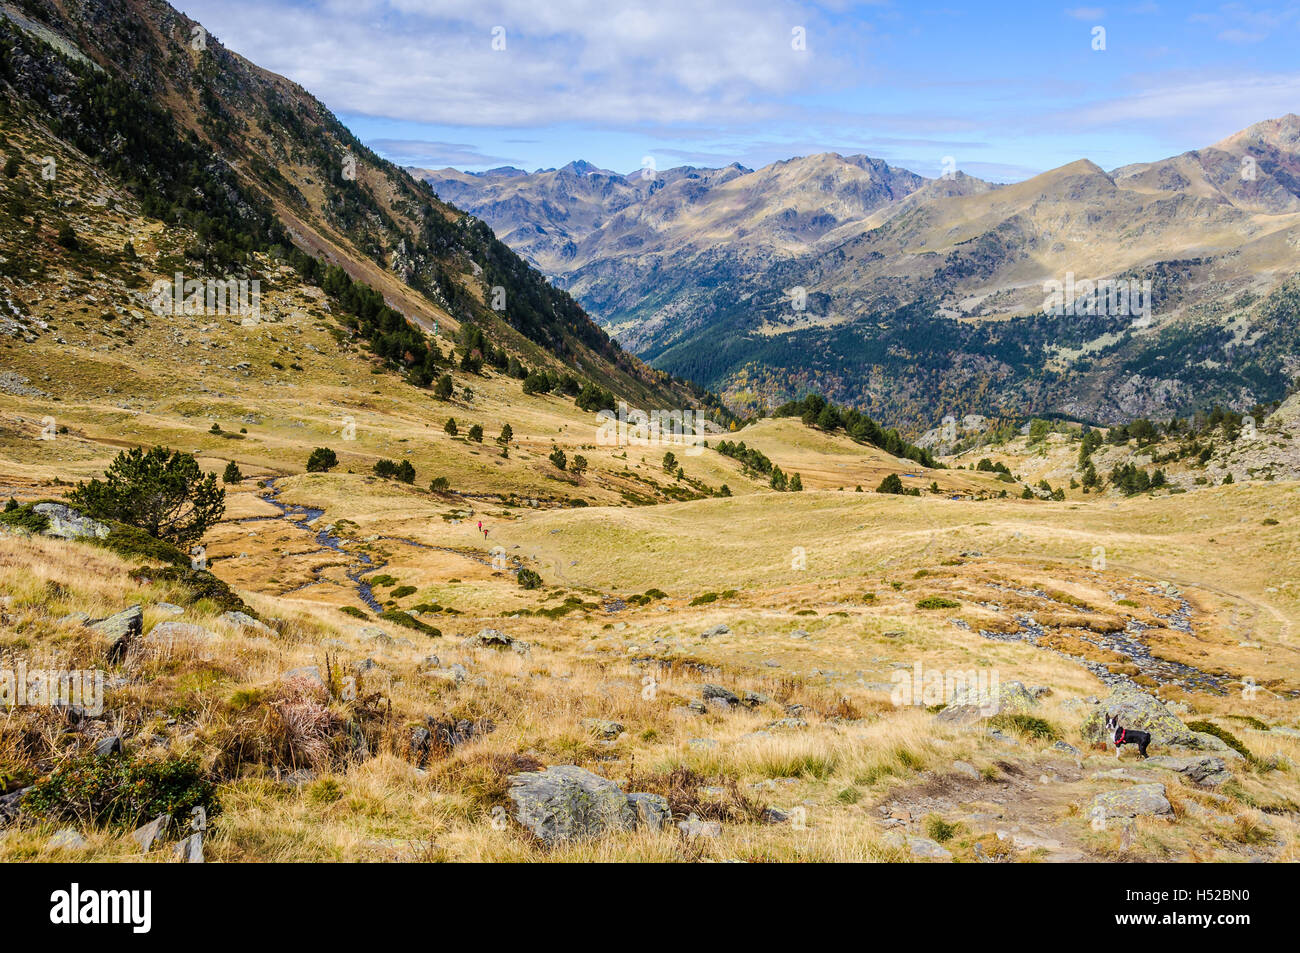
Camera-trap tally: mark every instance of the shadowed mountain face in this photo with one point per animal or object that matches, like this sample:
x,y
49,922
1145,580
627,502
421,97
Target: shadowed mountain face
x,y
929,297
254,162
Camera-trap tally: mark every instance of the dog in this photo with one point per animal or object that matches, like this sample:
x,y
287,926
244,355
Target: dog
x,y
1126,736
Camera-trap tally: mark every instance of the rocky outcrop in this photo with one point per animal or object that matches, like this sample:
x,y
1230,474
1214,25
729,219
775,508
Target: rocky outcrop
x,y
1137,709
1140,799
67,523
566,803
971,704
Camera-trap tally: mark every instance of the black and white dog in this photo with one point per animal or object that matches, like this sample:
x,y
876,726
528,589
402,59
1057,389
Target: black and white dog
x,y
1126,736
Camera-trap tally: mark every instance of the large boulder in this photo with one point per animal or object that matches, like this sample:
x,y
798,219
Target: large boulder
x,y
972,703
119,631
1130,802
67,523
564,803
1137,709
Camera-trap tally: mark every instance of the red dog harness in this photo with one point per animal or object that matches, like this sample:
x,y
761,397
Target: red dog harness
x,y
1120,740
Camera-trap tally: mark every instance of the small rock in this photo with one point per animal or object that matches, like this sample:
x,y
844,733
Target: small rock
x,y
120,631
494,639
716,630
694,827
149,834
190,850
242,620
67,839
108,746
603,728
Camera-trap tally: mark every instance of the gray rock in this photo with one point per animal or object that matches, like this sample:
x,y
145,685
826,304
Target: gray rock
x,y
694,827
67,839
702,743
309,672
120,630
1137,709
242,620
372,633
603,728
169,608
494,639
772,815
786,724
67,523
917,846
971,704
190,850
1140,799
716,630
167,634
963,767
108,746
652,810
565,802
1203,769
753,699
1066,747
717,691
148,835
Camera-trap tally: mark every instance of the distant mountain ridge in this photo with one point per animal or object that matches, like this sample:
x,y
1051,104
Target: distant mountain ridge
x,y
764,283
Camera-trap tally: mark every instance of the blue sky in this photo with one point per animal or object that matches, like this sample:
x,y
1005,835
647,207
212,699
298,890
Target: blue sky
x,y
1006,89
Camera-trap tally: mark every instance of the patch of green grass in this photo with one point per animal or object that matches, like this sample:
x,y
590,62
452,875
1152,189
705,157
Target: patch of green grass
x,y
1224,735
401,592
937,829
353,611
704,599
121,791
849,795
937,602
1029,726
409,622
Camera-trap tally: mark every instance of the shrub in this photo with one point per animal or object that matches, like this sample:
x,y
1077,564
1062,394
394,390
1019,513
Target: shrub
x,y
891,484
450,427
507,434
559,459
231,474
322,460
409,622
24,517
439,484
163,493
475,433
938,602
442,390
68,238
528,579
121,791
353,611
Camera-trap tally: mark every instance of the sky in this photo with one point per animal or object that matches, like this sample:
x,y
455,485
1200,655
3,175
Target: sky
x,y
1001,91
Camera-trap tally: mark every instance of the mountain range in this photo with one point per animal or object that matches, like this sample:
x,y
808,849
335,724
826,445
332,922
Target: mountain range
x,y
886,289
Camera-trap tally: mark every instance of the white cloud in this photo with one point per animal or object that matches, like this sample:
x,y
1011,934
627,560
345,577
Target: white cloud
x,y
564,60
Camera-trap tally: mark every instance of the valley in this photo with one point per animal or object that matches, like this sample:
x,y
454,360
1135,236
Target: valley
x,y
357,574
